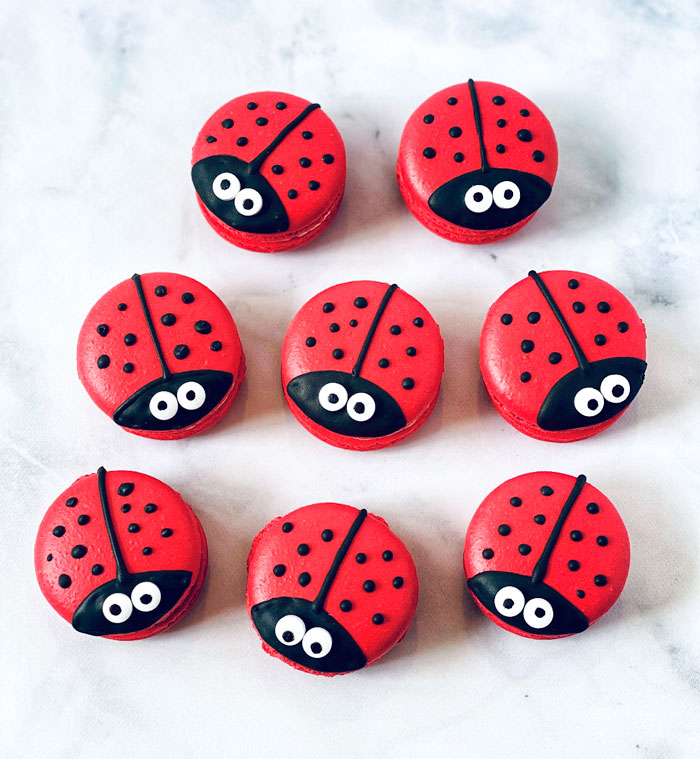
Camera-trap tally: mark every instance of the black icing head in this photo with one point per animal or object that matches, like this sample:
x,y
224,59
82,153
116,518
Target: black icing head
x,y
307,636
584,398
534,608
240,197
130,605
491,199
346,404
174,402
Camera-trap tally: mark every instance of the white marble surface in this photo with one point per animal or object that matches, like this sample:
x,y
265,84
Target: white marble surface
x,y
99,105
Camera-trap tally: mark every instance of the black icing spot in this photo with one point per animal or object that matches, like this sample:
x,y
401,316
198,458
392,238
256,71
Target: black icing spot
x,y
600,339
361,558
187,298
397,582
506,319
498,100
622,327
387,555
592,508
261,121
455,131
524,135
149,508
77,552
500,148
327,158
215,346
242,141
383,363
292,194
126,488
337,353
147,551
126,508
304,162
103,361
503,529
59,531
211,138
287,527
360,302
601,540
345,605
103,329
417,322
278,570
452,101
310,342
525,377
203,327
133,527
524,112
122,306
314,185
130,337
227,123
581,593
600,580
281,105
166,532
304,579
64,581
603,307
276,169
573,284
327,536
83,519
428,118
327,308
408,383
573,565
533,317
554,358
368,586
252,106
378,619
353,322
501,123
306,135
411,351
429,152
167,320
71,502
181,351
578,307
487,553
458,157
97,569
576,536
395,329
524,549
160,291
538,156
539,519
334,327
546,490
303,549
128,367
527,346
515,501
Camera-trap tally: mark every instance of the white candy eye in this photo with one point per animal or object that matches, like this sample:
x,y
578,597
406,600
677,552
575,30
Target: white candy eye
x,y
615,388
145,596
226,186
538,613
506,194
509,601
317,643
361,407
290,630
589,401
117,608
163,405
478,198
333,396
191,395
248,202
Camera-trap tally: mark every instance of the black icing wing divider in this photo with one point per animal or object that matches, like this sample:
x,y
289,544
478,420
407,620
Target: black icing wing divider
x,y
372,329
122,573
259,159
151,326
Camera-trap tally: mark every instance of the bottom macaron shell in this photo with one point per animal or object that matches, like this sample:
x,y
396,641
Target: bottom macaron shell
x,y
273,243
358,443
209,420
536,432
183,607
450,231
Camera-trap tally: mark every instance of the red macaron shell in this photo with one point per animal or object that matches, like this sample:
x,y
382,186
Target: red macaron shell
x,y
405,355
603,322
155,530
375,554
592,544
312,154
192,325
441,142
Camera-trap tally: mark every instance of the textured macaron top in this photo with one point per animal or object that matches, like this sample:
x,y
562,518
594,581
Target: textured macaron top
x,y
479,155
547,554
563,350
268,163
158,352
363,359
116,551
330,588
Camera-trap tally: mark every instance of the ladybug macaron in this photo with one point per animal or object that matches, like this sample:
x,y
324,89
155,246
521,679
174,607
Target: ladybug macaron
x,y
476,161
269,171
330,589
160,354
120,555
562,355
546,555
362,364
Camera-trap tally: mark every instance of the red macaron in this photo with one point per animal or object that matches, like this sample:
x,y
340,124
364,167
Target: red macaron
x,y
269,171
546,555
362,364
562,355
331,589
120,555
476,161
160,354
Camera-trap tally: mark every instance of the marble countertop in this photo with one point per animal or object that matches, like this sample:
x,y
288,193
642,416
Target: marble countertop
x,y
99,106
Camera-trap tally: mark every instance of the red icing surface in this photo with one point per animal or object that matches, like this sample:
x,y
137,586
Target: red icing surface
x,y
611,560
111,386
419,176
425,368
185,549
502,361
311,211
273,546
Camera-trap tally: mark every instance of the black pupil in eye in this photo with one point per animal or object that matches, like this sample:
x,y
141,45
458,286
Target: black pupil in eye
x,y
247,204
162,405
508,194
333,398
316,647
478,196
360,407
225,184
618,390
509,603
539,612
190,395
146,598
287,636
115,609
593,404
